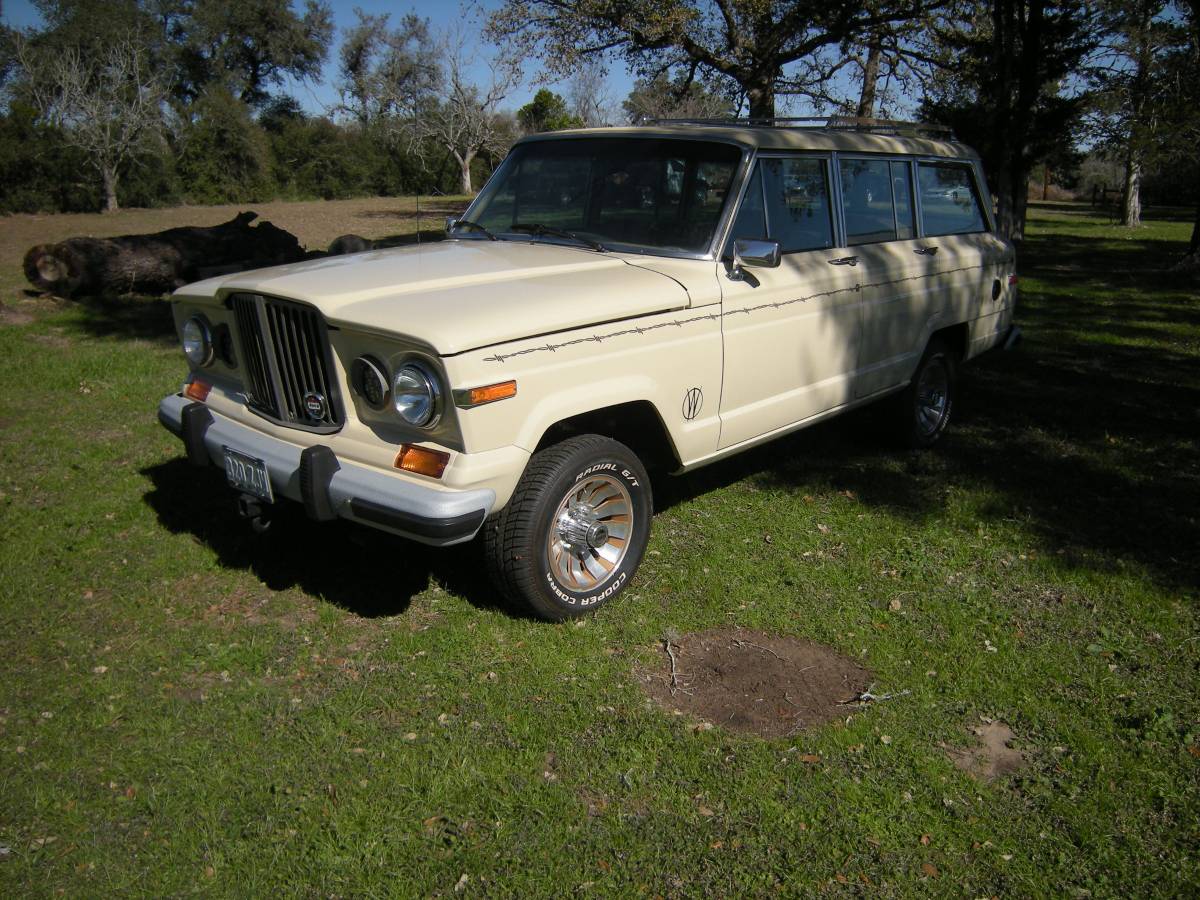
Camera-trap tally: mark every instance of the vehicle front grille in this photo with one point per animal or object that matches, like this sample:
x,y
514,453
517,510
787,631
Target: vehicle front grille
x,y
288,367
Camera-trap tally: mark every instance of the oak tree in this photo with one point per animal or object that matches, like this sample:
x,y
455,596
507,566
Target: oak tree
x,y
764,48
1002,87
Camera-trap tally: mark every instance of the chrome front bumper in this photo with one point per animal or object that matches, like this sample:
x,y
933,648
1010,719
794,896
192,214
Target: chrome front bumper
x,y
330,487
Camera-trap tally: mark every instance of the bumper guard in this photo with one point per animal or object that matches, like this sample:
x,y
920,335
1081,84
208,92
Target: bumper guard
x,y
329,487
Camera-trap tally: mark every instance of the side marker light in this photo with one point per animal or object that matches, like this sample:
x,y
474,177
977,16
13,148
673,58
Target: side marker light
x,y
489,393
197,390
421,460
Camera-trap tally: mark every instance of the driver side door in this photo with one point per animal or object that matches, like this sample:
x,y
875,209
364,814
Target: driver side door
x,y
791,333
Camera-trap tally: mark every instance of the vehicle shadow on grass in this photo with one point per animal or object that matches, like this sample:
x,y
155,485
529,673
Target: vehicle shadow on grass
x,y
366,572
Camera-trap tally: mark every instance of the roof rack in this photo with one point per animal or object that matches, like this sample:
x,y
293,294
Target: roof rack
x,y
828,123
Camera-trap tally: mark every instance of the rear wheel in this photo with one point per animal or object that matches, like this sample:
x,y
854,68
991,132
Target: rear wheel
x,y
924,408
575,529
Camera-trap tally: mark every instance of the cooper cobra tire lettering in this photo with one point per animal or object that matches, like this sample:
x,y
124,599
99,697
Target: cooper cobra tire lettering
x,y
587,601
571,492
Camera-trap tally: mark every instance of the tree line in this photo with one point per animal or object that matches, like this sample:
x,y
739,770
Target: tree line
x,y
153,101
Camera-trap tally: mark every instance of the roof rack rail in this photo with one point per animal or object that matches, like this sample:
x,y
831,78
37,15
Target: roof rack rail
x,y
829,123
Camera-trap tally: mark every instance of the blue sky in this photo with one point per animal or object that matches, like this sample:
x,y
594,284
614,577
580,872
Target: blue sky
x,y
442,15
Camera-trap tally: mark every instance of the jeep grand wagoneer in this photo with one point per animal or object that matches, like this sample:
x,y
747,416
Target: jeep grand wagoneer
x,y
614,299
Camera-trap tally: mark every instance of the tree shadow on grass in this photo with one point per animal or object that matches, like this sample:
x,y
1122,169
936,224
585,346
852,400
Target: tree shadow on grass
x,y
366,572
1086,440
1100,469
1093,214
128,318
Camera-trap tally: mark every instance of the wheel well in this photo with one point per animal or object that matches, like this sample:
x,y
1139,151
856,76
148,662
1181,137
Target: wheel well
x,y
637,425
955,337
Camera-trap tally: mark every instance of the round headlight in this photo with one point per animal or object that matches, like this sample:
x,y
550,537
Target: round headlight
x,y
197,342
415,395
370,380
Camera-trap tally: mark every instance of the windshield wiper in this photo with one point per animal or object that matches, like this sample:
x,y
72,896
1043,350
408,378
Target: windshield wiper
x,y
538,230
467,223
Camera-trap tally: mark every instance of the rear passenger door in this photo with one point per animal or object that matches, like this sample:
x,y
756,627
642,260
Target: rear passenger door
x,y
969,256
880,222
791,333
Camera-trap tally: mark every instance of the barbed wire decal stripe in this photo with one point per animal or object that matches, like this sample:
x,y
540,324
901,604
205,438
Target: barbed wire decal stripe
x,y
712,317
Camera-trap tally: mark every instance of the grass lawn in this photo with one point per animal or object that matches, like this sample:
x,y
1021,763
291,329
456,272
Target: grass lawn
x,y
188,708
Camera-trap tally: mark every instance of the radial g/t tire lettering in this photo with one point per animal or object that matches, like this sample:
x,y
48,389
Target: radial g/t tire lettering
x,y
575,529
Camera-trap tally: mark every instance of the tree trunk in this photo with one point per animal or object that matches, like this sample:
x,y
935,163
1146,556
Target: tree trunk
x,y
464,168
1194,246
1012,199
109,175
156,263
761,96
1191,259
866,100
1020,205
1131,197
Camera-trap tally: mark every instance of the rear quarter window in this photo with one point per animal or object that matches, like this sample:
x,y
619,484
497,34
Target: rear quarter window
x,y
949,203
876,200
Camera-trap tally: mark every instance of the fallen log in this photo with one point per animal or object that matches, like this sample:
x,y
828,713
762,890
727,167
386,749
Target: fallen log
x,y
157,263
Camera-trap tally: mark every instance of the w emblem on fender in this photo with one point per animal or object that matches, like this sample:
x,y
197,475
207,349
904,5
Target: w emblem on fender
x,y
693,401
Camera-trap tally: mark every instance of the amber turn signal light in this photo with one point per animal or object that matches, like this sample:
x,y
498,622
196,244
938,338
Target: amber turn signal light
x,y
197,390
421,460
489,393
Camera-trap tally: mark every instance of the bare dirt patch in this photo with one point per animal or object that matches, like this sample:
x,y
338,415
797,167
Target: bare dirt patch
x,y
992,757
23,311
314,222
12,316
754,682
55,340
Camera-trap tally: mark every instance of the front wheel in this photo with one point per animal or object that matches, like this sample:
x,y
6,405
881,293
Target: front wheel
x,y
575,529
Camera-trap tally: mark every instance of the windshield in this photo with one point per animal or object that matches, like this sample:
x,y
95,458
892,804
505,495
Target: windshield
x,y
646,195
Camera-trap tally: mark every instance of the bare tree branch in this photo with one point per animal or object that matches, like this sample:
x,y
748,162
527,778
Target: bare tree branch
x,y
467,122
110,107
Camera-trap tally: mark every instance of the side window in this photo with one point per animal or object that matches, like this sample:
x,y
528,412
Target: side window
x,y
906,223
798,208
948,201
751,221
867,186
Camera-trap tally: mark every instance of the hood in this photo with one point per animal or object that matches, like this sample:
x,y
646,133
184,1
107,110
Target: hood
x,y
461,295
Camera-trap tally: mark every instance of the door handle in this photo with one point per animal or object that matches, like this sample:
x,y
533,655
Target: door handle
x,y
926,251
844,261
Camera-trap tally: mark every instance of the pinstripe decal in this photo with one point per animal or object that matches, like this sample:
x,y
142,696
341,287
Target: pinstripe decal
x,y
712,317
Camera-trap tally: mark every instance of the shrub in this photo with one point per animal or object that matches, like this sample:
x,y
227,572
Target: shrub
x,y
224,155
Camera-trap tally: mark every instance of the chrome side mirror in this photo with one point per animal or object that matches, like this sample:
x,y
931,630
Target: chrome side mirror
x,y
451,221
749,253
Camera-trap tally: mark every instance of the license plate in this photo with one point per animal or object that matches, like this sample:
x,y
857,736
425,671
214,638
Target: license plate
x,y
248,474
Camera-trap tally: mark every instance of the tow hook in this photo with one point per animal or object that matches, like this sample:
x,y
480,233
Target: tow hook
x,y
251,508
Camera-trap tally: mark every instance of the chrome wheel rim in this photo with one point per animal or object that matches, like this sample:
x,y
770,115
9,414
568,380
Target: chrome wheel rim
x,y
590,533
933,397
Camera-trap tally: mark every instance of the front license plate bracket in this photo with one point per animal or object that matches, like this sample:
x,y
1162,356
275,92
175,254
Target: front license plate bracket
x,y
248,474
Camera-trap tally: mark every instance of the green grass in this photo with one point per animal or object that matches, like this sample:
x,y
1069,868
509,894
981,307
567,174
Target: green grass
x,y
186,708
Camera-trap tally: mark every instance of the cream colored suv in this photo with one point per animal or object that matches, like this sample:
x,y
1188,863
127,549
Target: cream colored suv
x,y
613,300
